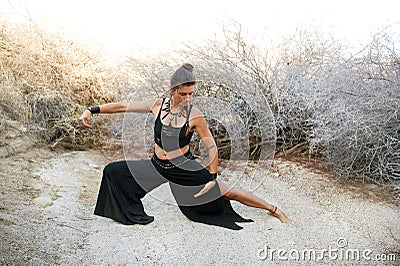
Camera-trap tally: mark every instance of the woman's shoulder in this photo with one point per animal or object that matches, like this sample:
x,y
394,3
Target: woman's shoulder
x,y
156,104
158,101
195,113
195,110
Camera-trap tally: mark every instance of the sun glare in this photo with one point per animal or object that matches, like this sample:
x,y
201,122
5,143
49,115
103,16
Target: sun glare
x,y
120,26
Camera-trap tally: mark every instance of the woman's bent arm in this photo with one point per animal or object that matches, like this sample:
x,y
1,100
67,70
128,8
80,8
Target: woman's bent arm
x,y
208,141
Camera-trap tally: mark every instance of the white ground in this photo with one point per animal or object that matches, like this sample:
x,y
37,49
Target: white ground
x,y
47,201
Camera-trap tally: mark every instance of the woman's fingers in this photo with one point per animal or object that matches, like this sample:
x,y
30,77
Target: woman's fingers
x,y
206,188
201,192
86,121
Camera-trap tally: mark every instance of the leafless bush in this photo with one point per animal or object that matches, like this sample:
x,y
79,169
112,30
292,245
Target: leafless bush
x,y
347,110
357,119
324,103
284,74
46,81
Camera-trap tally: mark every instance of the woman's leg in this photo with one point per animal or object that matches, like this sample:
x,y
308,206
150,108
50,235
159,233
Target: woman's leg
x,y
251,200
123,185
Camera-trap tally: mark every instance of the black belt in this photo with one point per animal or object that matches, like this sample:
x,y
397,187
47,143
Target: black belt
x,y
170,164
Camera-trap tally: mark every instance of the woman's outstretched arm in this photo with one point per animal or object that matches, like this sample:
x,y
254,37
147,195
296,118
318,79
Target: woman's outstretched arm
x,y
112,108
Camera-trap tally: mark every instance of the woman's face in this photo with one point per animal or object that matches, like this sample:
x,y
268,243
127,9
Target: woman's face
x,y
183,94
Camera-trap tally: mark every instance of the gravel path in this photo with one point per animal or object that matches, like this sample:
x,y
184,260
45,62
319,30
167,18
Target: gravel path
x,y
47,201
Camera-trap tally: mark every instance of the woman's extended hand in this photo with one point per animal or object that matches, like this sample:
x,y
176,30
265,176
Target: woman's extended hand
x,y
206,188
86,119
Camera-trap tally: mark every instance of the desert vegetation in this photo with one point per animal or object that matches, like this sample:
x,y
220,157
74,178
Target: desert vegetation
x,y
322,101
45,81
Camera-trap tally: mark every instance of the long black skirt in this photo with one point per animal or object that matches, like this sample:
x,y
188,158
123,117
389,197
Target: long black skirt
x,y
125,183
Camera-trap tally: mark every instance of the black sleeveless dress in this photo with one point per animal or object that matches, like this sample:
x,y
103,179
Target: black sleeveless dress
x,y
125,183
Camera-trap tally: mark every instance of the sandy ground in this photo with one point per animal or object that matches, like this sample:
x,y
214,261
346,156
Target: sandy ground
x,y
47,201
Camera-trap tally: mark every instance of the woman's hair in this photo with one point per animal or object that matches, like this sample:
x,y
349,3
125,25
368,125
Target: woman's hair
x,y
183,76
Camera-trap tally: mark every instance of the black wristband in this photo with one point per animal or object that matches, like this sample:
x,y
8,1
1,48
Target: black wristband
x,y
94,109
213,176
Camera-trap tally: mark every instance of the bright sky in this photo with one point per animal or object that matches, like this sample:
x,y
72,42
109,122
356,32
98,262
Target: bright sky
x,y
120,25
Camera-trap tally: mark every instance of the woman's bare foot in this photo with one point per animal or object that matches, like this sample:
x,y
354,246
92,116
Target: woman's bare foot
x,y
280,215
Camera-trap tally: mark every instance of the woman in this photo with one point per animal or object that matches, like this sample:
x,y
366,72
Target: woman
x,y
200,196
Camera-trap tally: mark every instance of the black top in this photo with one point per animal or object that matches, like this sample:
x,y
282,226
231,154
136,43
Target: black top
x,y
169,137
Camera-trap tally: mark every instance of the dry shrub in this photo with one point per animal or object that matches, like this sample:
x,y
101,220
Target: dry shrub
x,y
345,107
357,124
282,73
46,82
